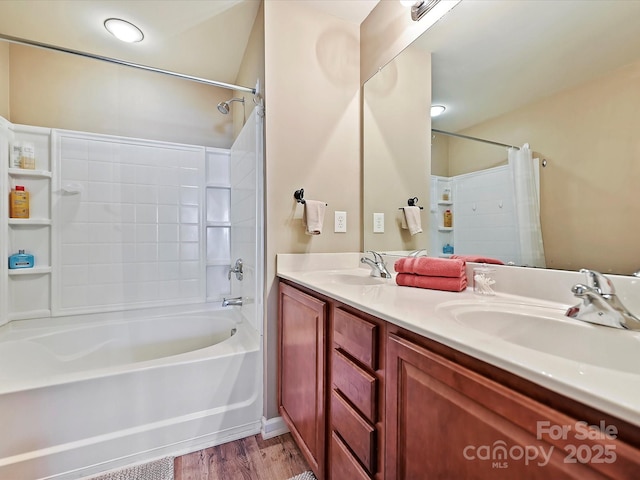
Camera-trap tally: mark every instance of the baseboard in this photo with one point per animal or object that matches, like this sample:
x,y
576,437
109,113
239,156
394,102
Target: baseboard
x,y
273,427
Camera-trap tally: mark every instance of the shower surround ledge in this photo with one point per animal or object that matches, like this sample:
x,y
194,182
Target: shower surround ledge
x,y
342,277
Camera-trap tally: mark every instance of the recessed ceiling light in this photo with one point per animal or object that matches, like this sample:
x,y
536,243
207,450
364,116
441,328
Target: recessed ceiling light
x,y
123,30
437,110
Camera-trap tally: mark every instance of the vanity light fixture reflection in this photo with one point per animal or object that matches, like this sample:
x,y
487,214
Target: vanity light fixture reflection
x,y
420,8
437,110
123,30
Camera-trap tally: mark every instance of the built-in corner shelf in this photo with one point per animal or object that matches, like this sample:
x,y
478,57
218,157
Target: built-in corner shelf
x,y
445,229
30,271
26,292
447,203
30,221
22,172
218,224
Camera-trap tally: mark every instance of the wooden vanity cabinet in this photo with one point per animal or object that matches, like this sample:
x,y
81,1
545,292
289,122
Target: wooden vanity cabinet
x,y
445,420
366,399
302,346
331,389
356,408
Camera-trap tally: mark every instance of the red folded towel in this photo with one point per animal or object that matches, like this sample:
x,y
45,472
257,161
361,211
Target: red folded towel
x,y
430,266
478,259
450,284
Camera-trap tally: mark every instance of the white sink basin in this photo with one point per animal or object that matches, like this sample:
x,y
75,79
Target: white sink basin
x,y
549,331
357,276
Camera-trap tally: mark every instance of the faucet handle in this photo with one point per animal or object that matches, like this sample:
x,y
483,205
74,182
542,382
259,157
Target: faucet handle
x,y
376,256
599,282
237,269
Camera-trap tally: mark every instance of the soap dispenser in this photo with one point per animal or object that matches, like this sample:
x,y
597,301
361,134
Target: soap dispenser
x,y
21,260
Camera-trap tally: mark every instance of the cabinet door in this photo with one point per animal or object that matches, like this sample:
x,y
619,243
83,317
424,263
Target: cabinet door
x,y
302,329
445,421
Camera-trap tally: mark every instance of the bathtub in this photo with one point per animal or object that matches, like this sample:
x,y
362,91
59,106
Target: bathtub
x,y
86,394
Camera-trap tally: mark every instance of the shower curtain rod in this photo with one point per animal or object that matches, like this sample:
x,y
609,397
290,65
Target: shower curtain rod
x,y
474,138
33,43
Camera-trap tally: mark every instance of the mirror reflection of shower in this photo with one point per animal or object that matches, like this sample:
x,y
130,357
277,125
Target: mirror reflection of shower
x,y
223,107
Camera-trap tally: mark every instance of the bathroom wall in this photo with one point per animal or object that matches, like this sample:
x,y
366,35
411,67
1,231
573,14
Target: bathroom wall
x,y
312,138
4,80
395,144
251,68
59,90
566,129
439,155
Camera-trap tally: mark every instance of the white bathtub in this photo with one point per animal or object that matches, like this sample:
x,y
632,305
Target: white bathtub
x,y
81,395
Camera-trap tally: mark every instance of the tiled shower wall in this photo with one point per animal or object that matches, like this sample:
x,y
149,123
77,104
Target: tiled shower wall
x,y
129,222
484,216
484,221
246,217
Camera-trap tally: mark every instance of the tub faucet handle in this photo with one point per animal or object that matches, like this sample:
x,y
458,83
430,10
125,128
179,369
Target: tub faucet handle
x,y
237,269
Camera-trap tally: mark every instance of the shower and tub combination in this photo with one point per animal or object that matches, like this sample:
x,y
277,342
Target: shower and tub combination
x,y
116,348
95,394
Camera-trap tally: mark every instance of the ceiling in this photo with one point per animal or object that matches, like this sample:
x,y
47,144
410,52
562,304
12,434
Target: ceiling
x,y
354,11
512,51
204,38
492,56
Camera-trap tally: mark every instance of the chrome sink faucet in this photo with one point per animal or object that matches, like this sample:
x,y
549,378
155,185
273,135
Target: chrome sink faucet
x,y
378,267
600,304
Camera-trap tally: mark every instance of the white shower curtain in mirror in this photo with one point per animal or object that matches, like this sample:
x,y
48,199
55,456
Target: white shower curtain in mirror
x,y
526,187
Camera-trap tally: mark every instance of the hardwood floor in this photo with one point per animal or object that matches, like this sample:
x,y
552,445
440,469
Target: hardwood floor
x,y
250,458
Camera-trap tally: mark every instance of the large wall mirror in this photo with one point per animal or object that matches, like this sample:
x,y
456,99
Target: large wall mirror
x,y
563,77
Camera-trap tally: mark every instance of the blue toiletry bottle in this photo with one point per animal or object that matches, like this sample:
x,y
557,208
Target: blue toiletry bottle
x,y
21,260
447,249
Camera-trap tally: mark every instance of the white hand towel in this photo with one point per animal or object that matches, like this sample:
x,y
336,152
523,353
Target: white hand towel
x,y
411,220
313,216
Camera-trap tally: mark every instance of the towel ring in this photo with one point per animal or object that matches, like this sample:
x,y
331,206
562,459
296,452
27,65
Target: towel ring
x,y
299,196
412,203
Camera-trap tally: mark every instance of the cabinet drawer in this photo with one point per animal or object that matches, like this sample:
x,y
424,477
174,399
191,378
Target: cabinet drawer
x,y
356,336
356,384
357,433
342,464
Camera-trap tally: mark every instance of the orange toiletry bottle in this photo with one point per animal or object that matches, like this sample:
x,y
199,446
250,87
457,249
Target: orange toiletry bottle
x,y
448,219
19,203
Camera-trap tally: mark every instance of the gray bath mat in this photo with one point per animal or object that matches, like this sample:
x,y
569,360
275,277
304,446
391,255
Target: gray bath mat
x,y
161,469
308,475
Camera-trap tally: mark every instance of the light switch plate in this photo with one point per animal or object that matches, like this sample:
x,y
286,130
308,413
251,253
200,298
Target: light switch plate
x,y
378,223
340,222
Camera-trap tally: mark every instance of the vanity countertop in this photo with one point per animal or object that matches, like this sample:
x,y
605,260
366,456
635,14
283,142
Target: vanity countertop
x,y
341,277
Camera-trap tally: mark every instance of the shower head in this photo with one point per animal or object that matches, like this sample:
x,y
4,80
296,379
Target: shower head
x,y
223,107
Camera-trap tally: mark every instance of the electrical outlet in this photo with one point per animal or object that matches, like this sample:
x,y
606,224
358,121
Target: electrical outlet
x,y
378,223
340,222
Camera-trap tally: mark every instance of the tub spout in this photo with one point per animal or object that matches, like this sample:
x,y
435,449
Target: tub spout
x,y
226,302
